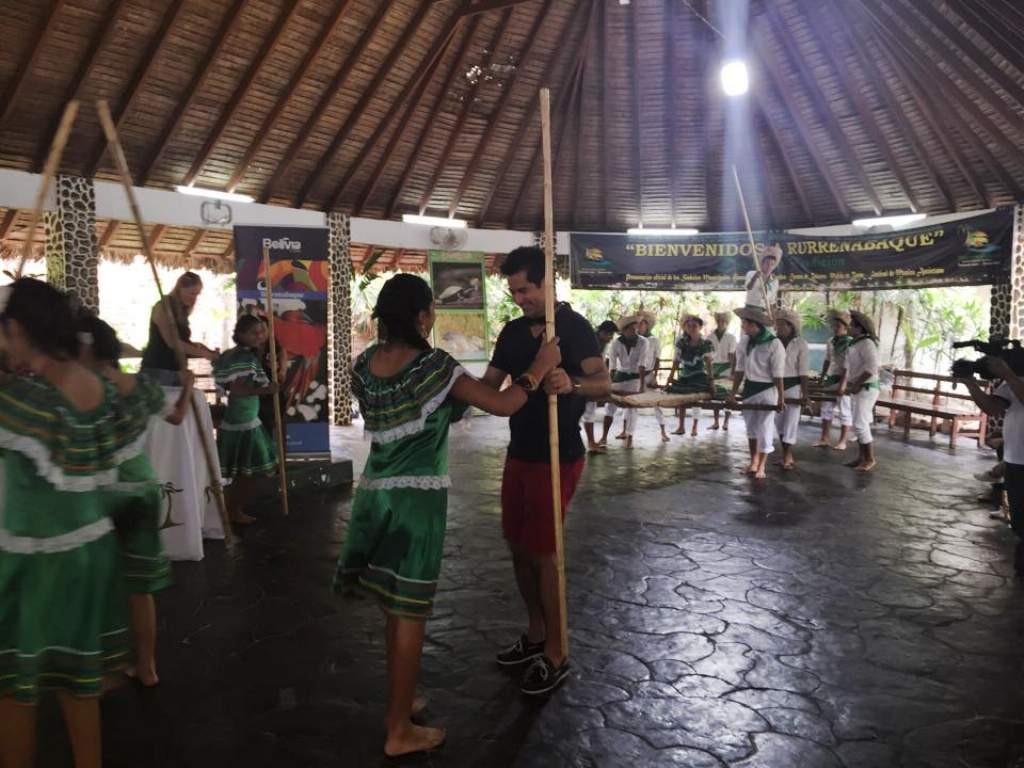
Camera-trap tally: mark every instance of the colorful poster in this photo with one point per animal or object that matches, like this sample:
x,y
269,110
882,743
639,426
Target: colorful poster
x,y
460,304
299,280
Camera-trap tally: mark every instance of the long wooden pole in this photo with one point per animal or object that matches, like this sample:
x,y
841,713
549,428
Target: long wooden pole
x,y
549,334
276,378
753,247
212,464
60,139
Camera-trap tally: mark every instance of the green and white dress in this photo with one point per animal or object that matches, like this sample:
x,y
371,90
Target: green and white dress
x,y
62,592
243,443
396,535
693,372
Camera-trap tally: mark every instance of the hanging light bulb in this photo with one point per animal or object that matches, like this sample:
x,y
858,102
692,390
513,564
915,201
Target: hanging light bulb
x,y
735,78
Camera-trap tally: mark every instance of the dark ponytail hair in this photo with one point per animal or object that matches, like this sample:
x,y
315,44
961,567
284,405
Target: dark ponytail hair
x,y
45,315
106,347
245,322
399,304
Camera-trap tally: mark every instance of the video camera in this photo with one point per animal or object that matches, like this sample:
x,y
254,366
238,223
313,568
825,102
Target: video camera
x,y
1007,349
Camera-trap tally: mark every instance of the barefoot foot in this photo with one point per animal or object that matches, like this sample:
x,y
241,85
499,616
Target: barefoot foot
x,y
414,738
242,519
821,444
867,466
839,447
146,677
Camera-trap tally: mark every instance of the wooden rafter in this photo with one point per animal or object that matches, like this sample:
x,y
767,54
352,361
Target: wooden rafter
x,y
325,99
499,109
131,91
228,24
286,96
35,47
10,217
863,109
670,102
637,147
108,232
985,19
765,187
578,161
896,111
156,234
369,94
606,116
193,244
483,6
227,114
454,133
810,85
418,83
73,91
794,178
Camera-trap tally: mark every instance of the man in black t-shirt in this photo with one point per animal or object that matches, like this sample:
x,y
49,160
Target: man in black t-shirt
x,y
526,498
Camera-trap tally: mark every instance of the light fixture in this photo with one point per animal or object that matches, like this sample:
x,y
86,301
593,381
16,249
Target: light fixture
x,y
735,78
891,221
216,194
433,221
661,232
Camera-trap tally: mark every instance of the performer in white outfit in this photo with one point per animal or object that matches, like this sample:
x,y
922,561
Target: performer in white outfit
x,y
788,326
755,279
841,411
605,333
862,366
724,361
628,360
760,364
646,329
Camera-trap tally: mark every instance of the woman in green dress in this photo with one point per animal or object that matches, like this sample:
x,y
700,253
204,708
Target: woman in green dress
x,y
245,447
64,432
693,361
409,394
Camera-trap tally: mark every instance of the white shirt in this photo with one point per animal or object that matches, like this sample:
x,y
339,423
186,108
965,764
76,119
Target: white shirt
x,y
653,356
862,357
629,361
836,360
797,354
723,348
1013,425
764,363
755,294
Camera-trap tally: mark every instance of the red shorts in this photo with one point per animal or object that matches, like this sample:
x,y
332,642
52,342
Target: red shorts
x,y
526,514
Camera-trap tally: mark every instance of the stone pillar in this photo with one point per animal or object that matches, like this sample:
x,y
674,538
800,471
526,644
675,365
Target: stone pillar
x,y
72,254
339,318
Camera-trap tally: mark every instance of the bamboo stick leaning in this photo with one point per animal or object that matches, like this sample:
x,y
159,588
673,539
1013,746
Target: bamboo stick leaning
x,y
212,464
276,378
753,246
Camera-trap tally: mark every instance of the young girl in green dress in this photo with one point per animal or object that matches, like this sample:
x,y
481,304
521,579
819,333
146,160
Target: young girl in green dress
x,y
693,361
409,394
64,433
245,447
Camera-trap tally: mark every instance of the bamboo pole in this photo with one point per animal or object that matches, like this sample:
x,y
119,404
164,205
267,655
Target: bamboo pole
x,y
212,464
753,247
549,334
276,378
60,139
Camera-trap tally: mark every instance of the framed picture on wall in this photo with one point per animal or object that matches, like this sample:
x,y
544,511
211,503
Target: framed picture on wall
x,y
458,283
463,335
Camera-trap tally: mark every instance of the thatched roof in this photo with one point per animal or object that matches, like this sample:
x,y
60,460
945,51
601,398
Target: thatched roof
x,y
380,107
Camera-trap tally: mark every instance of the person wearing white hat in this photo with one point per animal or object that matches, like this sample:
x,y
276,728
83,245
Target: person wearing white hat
x,y
760,367
645,328
628,360
761,285
724,360
841,410
862,367
788,325
605,333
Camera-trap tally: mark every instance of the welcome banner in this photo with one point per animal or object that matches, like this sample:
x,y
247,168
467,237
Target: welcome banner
x,y
972,251
300,280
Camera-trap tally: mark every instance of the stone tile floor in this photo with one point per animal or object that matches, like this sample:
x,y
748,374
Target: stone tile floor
x,y
822,619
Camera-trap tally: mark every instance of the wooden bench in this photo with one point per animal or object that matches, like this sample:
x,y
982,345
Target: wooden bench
x,y
944,404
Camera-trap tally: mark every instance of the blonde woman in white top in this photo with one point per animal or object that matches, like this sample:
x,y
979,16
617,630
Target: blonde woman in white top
x,y
862,367
789,325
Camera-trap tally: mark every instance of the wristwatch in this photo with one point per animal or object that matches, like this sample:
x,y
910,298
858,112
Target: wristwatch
x,y
527,382
576,386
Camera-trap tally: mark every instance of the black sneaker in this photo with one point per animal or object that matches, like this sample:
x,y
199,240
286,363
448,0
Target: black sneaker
x,y
521,651
543,676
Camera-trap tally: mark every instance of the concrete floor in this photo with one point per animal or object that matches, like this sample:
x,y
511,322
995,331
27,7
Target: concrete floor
x,y
822,619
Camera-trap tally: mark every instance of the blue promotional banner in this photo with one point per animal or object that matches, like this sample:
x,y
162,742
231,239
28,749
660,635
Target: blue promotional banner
x,y
300,280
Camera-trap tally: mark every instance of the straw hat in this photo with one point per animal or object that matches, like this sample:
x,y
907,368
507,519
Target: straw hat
x,y
840,315
792,318
627,320
650,317
863,321
754,314
723,314
696,318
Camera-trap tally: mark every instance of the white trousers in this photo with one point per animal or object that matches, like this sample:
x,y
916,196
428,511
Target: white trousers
x,y
864,414
788,422
840,411
590,412
761,424
624,388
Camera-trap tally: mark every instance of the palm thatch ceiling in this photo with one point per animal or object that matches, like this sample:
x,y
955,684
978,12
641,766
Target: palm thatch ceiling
x,y
382,107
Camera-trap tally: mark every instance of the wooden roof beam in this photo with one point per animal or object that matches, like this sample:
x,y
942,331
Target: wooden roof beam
x,y
832,125
499,108
7,225
193,244
284,100
369,93
227,114
35,47
73,91
794,178
606,115
131,91
896,112
578,161
453,134
227,25
483,6
457,66
108,232
325,99
417,84
638,170
156,234
997,32
670,102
